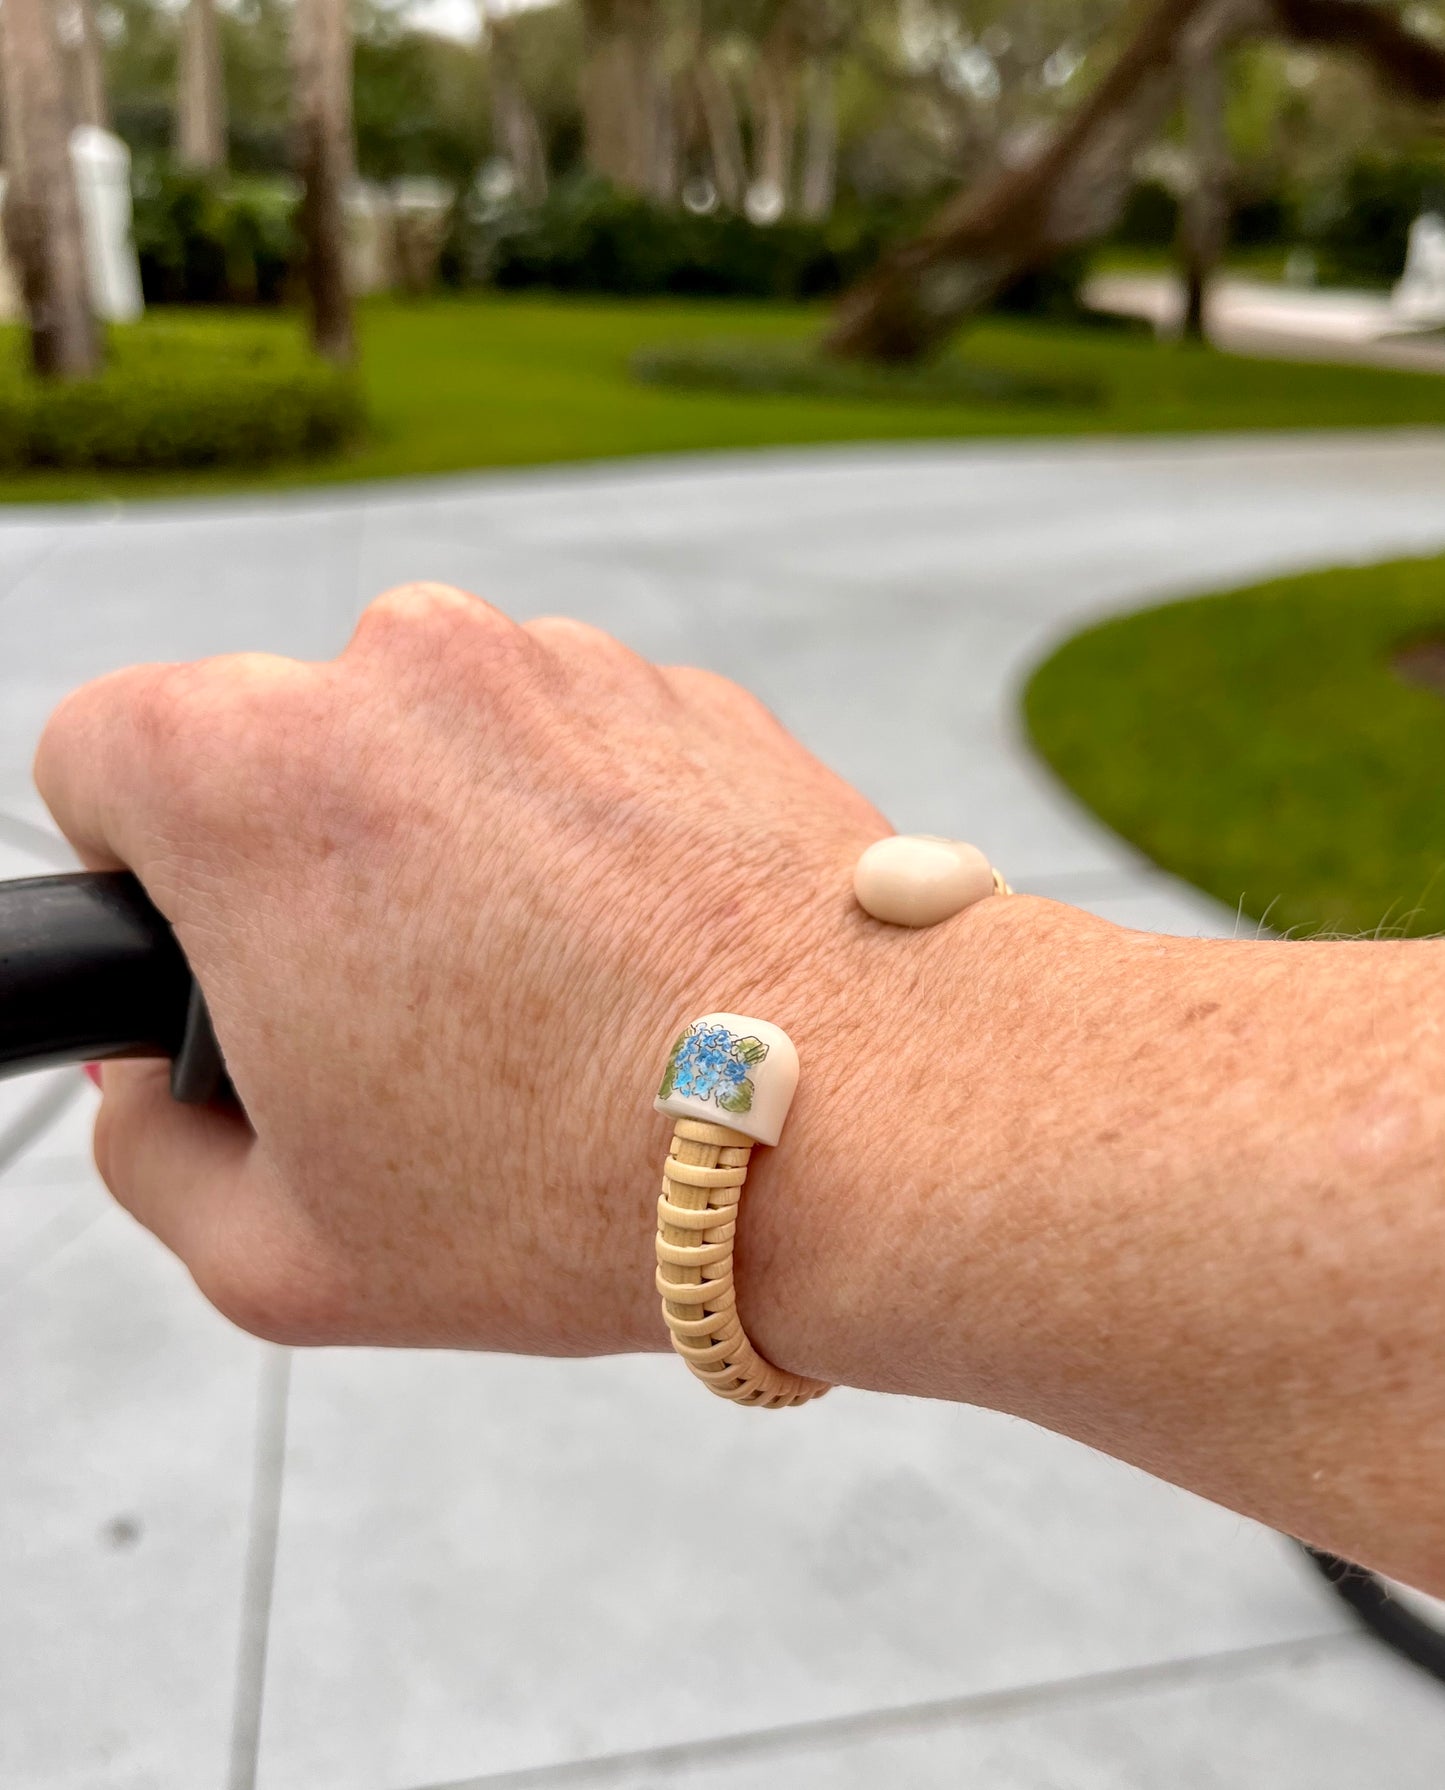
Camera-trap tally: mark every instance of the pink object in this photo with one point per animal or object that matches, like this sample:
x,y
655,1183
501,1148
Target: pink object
x,y
93,1071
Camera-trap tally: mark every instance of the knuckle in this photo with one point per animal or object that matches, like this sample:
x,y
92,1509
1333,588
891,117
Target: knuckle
x,y
700,688
580,648
416,614
443,637
566,634
94,719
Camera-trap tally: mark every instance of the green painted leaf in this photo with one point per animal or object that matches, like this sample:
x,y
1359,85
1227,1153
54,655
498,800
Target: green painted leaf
x,y
751,1050
740,1100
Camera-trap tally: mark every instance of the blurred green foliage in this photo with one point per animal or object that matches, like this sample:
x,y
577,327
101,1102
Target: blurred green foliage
x,y
1358,226
419,100
177,393
1324,157
214,239
588,237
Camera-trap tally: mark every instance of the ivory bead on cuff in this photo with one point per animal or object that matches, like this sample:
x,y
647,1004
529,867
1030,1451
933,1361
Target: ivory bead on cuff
x,y
918,880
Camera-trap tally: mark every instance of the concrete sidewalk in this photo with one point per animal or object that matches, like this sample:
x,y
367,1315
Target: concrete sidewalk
x,y
225,1566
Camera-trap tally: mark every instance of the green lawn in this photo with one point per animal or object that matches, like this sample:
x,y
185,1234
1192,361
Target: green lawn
x,y
499,381
1263,745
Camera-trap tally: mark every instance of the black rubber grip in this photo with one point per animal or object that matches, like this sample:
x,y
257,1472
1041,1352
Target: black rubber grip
x,y
90,970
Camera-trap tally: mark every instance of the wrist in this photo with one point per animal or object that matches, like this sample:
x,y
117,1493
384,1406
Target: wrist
x,y
903,1104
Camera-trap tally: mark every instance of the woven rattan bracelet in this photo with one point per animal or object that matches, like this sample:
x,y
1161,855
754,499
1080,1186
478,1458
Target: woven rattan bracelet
x,y
728,1084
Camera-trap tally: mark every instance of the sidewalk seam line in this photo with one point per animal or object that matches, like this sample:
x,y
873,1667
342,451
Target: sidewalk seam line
x,y
259,1573
797,1737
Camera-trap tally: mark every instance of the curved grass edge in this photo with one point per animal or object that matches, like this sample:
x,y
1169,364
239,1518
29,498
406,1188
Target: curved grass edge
x,y
482,382
1260,744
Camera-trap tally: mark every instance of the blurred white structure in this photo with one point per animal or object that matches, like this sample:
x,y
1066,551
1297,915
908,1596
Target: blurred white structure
x,y
1419,295
395,233
102,179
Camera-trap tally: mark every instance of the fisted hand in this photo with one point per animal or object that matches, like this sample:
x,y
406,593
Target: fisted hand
x,y
449,897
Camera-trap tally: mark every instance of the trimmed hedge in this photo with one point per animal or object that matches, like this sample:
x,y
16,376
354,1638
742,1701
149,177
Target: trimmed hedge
x,y
796,369
174,397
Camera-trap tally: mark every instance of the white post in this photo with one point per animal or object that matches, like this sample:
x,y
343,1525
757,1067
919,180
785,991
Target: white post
x,y
1419,297
102,179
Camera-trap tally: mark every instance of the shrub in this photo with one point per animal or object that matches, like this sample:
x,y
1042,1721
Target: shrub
x,y
1150,218
177,395
589,237
1358,229
205,239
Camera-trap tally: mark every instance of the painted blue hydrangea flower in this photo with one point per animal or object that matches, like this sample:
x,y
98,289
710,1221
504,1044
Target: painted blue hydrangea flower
x,y
709,1063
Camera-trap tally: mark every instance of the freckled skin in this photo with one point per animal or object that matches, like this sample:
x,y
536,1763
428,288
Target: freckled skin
x,y
451,896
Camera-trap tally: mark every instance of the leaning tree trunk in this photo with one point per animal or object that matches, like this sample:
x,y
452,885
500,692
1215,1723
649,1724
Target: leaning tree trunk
x,y
1407,63
322,57
1069,193
1204,208
820,139
42,210
1074,189
514,121
200,90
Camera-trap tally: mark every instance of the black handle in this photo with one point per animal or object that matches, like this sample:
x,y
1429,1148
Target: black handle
x,y
89,969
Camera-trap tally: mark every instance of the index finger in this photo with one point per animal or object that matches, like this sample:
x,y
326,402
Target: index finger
x,y
92,767
138,761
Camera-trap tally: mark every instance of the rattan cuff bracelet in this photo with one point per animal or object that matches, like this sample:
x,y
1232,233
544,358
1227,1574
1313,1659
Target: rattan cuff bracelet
x,y
728,1084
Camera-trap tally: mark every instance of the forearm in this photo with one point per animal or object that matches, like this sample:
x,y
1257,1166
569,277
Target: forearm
x,y
1184,1200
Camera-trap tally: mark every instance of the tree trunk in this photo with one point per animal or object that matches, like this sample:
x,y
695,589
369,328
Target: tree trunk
x,y
325,156
1204,210
518,134
775,85
620,106
42,210
91,105
1021,218
200,90
820,139
664,161
722,129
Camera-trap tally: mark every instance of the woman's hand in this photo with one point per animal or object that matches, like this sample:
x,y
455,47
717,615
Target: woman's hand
x,y
449,898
